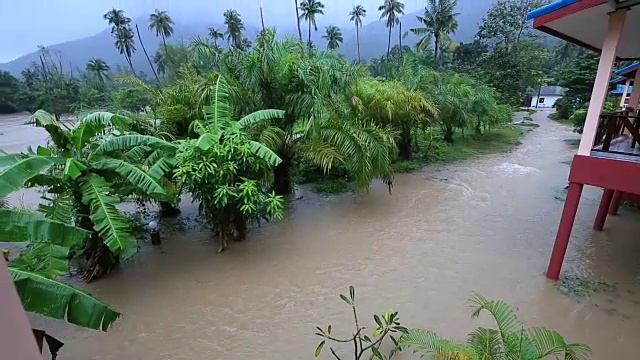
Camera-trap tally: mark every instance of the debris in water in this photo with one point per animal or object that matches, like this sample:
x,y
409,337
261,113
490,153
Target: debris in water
x,y
580,286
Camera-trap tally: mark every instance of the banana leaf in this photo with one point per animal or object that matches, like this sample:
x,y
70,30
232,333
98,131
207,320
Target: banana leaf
x,y
59,300
28,226
17,169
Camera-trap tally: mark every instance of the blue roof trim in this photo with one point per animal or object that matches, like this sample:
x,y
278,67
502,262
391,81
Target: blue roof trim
x,y
620,90
549,8
618,79
635,65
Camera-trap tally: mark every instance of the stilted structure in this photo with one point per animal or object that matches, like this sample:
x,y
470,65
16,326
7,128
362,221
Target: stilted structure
x,y
608,155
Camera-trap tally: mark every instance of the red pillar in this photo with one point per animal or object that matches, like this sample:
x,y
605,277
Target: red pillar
x,y
564,230
605,203
615,202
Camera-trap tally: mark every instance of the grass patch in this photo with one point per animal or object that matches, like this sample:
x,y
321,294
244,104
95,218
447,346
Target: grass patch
x,y
532,111
493,141
562,121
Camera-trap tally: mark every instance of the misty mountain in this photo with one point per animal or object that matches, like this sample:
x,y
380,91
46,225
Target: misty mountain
x,y
74,55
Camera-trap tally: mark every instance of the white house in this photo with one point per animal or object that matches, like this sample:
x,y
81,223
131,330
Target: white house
x,y
546,97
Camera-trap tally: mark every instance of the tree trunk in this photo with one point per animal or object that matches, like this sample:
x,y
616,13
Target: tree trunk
x,y
358,42
98,260
400,38
388,51
309,43
404,145
298,20
147,55
282,176
262,19
435,50
448,134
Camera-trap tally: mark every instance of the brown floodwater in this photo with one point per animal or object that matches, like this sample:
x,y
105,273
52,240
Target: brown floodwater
x,y
484,225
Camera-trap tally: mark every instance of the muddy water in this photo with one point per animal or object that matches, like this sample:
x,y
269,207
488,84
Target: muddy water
x,y
485,225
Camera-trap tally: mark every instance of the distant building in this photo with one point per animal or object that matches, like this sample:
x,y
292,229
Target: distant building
x,y
546,97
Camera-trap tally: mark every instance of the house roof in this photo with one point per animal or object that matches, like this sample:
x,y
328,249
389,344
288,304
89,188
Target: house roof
x,y
619,90
585,22
550,91
627,72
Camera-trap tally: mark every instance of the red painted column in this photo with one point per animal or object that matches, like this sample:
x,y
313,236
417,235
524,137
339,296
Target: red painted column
x,y
617,199
564,230
605,203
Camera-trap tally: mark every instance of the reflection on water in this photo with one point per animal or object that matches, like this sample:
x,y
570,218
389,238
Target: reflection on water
x,y
485,225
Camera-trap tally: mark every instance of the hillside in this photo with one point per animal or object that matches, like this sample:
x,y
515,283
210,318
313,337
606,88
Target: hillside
x,y
76,53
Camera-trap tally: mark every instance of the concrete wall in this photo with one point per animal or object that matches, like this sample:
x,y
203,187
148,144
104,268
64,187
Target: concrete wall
x,y
549,101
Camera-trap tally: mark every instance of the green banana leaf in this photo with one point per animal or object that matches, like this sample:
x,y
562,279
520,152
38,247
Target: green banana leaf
x,y
111,225
17,169
27,226
95,124
135,176
59,300
128,142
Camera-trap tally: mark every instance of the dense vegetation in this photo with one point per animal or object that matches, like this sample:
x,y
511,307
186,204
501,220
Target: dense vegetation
x,y
235,127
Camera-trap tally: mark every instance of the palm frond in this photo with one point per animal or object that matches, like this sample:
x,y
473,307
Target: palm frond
x,y
17,169
111,225
505,317
428,342
486,343
551,343
58,300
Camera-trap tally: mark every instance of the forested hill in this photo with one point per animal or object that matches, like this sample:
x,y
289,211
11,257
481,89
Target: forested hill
x,y
75,54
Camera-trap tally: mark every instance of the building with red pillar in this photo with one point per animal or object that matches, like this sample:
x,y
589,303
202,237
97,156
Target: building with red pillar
x,y
609,155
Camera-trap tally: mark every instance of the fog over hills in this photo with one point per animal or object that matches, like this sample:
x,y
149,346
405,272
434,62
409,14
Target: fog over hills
x,y
192,20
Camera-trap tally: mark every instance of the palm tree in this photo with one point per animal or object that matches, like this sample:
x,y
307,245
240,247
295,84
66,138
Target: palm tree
x,y
98,68
116,18
333,36
439,20
215,34
125,43
511,340
122,32
298,19
309,9
161,22
235,26
391,11
357,14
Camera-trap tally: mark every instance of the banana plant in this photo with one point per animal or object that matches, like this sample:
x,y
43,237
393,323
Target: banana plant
x,y
45,257
82,186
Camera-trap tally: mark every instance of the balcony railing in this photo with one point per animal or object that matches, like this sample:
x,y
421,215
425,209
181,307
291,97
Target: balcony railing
x,y
618,134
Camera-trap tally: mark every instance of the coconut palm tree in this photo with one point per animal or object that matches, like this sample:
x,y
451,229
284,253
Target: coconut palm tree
x,y
98,68
298,20
116,18
235,27
439,20
215,34
391,11
162,24
333,36
125,43
510,340
357,14
309,10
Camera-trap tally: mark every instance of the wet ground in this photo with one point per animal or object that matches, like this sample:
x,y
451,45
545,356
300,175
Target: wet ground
x,y
485,225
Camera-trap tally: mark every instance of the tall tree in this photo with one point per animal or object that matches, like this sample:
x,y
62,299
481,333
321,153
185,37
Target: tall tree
x,y
298,19
391,11
333,36
309,10
357,14
162,24
439,20
215,34
98,68
122,33
235,26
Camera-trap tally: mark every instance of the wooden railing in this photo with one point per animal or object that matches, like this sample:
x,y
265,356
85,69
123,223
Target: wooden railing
x,y
618,127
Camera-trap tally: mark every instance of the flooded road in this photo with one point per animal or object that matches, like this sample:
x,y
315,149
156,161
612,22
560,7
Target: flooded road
x,y
485,225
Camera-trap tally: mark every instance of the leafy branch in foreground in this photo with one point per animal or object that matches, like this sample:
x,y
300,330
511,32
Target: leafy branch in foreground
x,y
363,344
509,341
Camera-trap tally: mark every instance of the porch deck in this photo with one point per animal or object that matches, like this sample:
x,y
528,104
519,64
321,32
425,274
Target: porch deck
x,y
619,149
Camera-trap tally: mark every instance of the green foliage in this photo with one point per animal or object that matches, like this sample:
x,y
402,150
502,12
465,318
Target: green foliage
x,y
510,340
577,76
365,345
9,88
46,257
226,172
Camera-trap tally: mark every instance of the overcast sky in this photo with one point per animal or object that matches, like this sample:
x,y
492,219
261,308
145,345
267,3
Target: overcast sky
x,y
25,24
